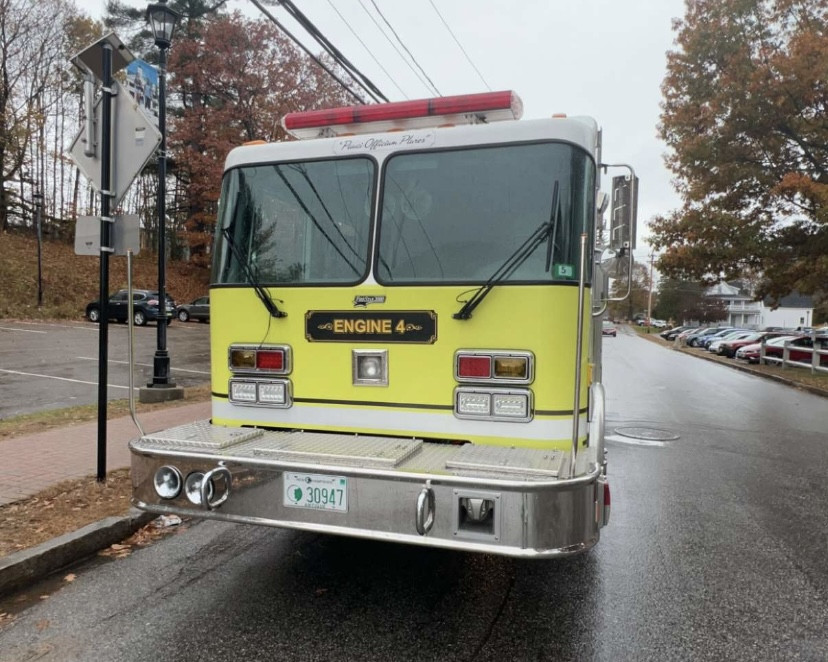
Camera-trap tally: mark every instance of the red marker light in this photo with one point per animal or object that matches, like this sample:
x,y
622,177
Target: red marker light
x,y
270,360
474,366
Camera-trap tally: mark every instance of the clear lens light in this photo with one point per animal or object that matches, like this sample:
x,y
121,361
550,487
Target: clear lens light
x,y
369,367
242,358
167,482
474,403
511,367
272,394
511,405
192,487
243,391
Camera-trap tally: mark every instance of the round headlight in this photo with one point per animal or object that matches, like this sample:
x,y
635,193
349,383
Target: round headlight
x,y
192,487
167,481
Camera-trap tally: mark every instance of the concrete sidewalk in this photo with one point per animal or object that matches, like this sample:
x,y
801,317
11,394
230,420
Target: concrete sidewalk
x,y
35,462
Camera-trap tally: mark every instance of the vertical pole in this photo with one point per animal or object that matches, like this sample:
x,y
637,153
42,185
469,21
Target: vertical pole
x,y
38,197
106,249
161,360
579,349
650,295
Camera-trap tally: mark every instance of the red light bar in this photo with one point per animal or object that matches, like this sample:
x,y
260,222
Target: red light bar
x,y
461,109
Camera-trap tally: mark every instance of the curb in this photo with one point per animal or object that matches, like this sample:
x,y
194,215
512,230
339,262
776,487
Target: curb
x,y
30,565
743,368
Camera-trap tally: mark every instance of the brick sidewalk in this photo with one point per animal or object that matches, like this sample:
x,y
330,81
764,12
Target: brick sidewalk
x,y
34,462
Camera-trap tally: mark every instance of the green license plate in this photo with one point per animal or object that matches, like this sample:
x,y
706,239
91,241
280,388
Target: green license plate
x,y
316,491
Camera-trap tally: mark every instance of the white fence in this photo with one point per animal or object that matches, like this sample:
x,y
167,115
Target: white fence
x,y
818,349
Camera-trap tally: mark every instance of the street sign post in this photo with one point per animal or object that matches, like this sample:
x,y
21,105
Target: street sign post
x,y
134,141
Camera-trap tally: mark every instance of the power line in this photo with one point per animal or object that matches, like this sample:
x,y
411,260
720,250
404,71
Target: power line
x,y
393,45
364,45
460,46
361,79
413,59
276,22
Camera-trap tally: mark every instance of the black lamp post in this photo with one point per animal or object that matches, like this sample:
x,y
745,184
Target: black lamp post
x,y
163,21
37,197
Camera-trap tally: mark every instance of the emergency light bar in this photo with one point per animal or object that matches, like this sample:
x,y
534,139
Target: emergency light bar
x,y
400,115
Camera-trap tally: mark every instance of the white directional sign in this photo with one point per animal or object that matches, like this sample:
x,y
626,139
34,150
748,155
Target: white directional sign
x,y
134,141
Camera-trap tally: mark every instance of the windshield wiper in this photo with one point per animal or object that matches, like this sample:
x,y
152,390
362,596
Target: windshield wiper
x,y
261,292
544,232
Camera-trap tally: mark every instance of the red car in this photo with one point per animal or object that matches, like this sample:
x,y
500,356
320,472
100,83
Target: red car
x,y
730,347
800,350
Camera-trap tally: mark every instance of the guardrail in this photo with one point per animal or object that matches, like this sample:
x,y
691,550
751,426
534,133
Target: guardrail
x,y
815,352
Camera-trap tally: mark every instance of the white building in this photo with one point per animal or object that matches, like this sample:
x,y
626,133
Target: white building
x,y
744,312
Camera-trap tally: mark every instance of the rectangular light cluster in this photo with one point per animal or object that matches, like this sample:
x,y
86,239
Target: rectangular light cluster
x,y
493,404
259,359
255,360
260,392
493,366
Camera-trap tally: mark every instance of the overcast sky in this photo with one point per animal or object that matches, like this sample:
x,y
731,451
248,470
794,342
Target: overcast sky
x,y
603,58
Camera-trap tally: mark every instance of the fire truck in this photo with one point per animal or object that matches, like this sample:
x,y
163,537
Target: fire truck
x,y
406,307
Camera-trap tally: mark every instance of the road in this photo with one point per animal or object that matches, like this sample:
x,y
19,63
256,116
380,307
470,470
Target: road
x,y
716,551
47,365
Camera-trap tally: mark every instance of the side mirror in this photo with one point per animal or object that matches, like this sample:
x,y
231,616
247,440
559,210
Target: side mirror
x,y
624,214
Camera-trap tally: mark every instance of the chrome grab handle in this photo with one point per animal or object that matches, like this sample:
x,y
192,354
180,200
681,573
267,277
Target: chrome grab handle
x,y
224,472
424,519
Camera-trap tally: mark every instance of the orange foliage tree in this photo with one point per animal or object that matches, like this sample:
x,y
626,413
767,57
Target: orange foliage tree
x,y
743,113
236,78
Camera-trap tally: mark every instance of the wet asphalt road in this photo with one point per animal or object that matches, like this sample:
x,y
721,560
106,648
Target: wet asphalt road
x,y
48,365
717,550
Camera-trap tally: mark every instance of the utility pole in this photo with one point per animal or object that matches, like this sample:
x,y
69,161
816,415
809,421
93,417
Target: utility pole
x,y
650,295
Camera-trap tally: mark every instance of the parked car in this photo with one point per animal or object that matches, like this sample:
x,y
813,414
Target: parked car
x,y
198,309
800,349
730,347
707,340
751,353
608,329
670,334
144,307
694,339
719,346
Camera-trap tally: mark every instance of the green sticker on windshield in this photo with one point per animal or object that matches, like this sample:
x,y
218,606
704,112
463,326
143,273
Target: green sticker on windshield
x,y
564,271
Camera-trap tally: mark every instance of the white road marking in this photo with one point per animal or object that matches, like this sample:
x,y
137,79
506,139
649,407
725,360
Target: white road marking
x,y
144,365
79,325
8,328
634,441
63,379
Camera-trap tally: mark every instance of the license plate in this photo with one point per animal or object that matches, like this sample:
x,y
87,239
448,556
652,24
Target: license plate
x,y
316,491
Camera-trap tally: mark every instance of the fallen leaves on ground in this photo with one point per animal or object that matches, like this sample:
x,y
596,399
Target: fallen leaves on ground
x,y
61,509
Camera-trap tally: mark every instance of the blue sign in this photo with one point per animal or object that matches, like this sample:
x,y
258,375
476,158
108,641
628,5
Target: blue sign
x,y
142,85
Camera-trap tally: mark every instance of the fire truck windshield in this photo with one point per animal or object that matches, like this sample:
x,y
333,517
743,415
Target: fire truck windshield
x,y
295,223
446,216
456,216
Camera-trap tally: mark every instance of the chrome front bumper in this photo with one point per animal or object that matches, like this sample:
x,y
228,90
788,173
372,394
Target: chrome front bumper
x,y
401,490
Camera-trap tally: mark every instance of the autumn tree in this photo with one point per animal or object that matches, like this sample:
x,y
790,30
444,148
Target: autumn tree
x,y
684,301
639,291
743,113
236,80
31,35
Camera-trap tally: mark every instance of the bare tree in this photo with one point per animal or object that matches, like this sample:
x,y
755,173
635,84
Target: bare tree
x,y
31,32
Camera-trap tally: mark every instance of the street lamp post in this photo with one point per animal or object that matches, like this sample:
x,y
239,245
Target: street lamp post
x,y
163,21
37,197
